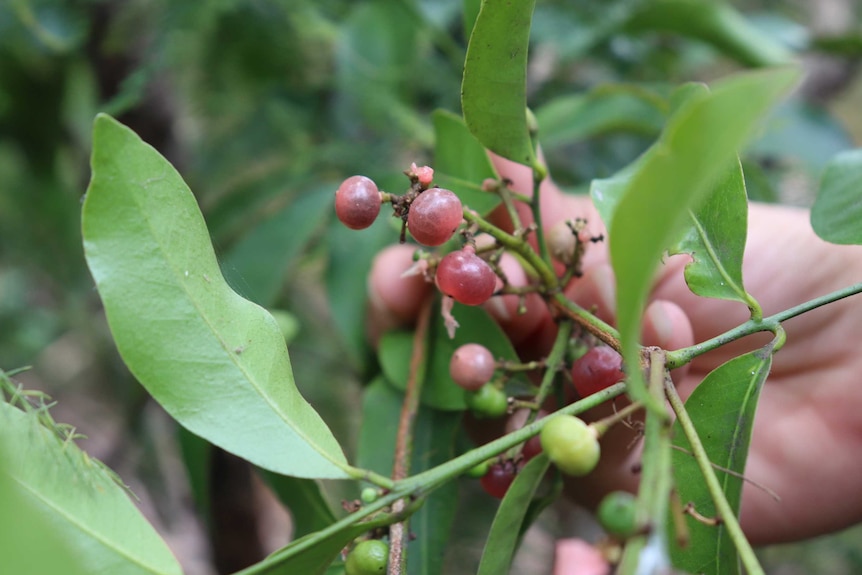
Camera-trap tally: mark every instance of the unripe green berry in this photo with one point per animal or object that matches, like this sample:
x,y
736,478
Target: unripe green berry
x,y
570,444
367,558
617,514
369,495
479,469
488,402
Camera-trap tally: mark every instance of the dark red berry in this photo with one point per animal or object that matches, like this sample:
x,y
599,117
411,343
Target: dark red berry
x,y
357,202
471,366
434,216
498,479
599,368
465,277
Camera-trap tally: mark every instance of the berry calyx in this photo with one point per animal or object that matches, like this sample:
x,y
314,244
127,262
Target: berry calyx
x,y
471,366
488,402
570,444
499,478
465,277
599,368
434,216
369,557
357,202
617,514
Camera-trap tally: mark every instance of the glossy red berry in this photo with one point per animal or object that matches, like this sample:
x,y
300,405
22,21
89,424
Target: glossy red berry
x,y
499,477
472,366
434,216
599,368
357,202
465,277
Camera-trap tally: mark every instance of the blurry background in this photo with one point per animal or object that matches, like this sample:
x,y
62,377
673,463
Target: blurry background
x,y
264,106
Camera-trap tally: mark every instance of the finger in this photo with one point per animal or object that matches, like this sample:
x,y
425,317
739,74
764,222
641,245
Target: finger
x,y
577,557
394,299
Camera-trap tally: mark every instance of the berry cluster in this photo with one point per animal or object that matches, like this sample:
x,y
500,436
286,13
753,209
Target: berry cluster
x,y
471,274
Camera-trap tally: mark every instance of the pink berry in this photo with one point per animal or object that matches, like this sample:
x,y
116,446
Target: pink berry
x,y
434,216
599,368
465,277
357,202
471,366
423,174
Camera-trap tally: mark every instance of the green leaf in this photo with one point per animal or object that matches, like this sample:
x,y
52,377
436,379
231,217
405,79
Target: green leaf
x,y
715,22
260,260
303,498
434,434
696,147
603,110
87,517
196,454
494,88
215,361
722,408
506,529
439,391
837,210
461,163
715,238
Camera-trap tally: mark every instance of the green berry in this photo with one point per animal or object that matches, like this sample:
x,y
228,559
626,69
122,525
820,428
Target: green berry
x,y
369,495
367,558
617,514
488,402
570,444
479,470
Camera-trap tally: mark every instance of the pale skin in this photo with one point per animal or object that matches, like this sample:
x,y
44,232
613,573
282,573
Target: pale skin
x,y
808,429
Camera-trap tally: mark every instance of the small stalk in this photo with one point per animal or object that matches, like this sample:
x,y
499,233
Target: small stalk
x,y
587,320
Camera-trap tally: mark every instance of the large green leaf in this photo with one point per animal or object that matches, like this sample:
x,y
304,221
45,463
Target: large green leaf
x,y
722,408
837,212
715,238
439,391
506,529
82,514
494,88
715,22
433,443
215,361
696,147
461,163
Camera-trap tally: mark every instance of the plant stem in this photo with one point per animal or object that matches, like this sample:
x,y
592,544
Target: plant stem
x,y
684,355
536,207
404,437
728,517
656,479
587,320
552,365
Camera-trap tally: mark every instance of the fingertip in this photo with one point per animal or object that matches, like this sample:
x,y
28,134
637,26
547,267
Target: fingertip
x,y
392,293
577,557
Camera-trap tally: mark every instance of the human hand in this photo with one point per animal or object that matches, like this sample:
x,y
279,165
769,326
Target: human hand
x,y
809,420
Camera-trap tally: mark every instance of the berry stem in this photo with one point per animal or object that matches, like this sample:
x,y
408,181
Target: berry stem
x,y
587,320
506,195
535,206
772,323
603,425
552,366
722,506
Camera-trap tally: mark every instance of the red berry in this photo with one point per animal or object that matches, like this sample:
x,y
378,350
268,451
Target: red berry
x,y
471,366
599,368
357,202
498,479
434,216
466,277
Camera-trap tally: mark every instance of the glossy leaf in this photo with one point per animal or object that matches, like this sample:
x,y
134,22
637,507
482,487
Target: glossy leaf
x,y
87,517
215,361
439,391
715,22
303,498
722,408
433,444
672,180
461,163
494,88
259,261
837,212
506,529
715,238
